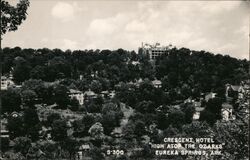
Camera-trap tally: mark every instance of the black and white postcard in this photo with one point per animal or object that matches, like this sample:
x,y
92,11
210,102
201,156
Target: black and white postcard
x,y
124,80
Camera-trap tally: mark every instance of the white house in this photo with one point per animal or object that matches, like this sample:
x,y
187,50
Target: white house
x,y
88,95
77,94
81,153
157,83
227,112
197,113
239,90
154,50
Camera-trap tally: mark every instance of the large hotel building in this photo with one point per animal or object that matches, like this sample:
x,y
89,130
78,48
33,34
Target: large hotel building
x,y
154,51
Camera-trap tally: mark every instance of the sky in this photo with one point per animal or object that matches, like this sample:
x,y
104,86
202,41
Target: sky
x,y
220,27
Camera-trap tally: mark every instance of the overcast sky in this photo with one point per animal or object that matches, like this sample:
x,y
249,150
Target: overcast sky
x,y
218,27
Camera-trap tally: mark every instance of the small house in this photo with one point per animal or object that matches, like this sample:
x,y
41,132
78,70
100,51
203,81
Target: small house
x,y
157,83
227,112
4,131
77,95
82,152
89,95
197,113
234,91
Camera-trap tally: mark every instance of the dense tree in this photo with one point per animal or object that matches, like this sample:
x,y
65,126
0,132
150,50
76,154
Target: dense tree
x,y
59,130
22,144
12,16
38,72
29,97
234,134
49,149
176,118
11,101
189,110
93,107
128,131
162,121
70,146
43,92
82,126
30,117
15,126
157,111
74,104
14,156
60,67
34,152
207,116
112,115
127,93
31,123
214,106
4,144
140,128
146,90
145,107
96,131
96,153
61,96
21,71
197,129
52,117
171,132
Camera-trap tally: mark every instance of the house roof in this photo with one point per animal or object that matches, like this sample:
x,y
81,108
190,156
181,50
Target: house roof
x,y
199,109
140,80
210,95
89,93
104,92
197,104
156,82
84,147
130,83
117,130
227,105
235,88
135,62
74,91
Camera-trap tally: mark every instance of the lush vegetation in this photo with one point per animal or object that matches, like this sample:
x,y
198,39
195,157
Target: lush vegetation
x,y
139,110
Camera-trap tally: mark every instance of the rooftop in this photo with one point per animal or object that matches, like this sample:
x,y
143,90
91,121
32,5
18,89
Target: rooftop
x,y
72,91
89,93
227,105
199,109
235,87
156,82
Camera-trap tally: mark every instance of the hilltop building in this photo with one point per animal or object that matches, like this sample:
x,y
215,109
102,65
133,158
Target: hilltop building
x,y
154,51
